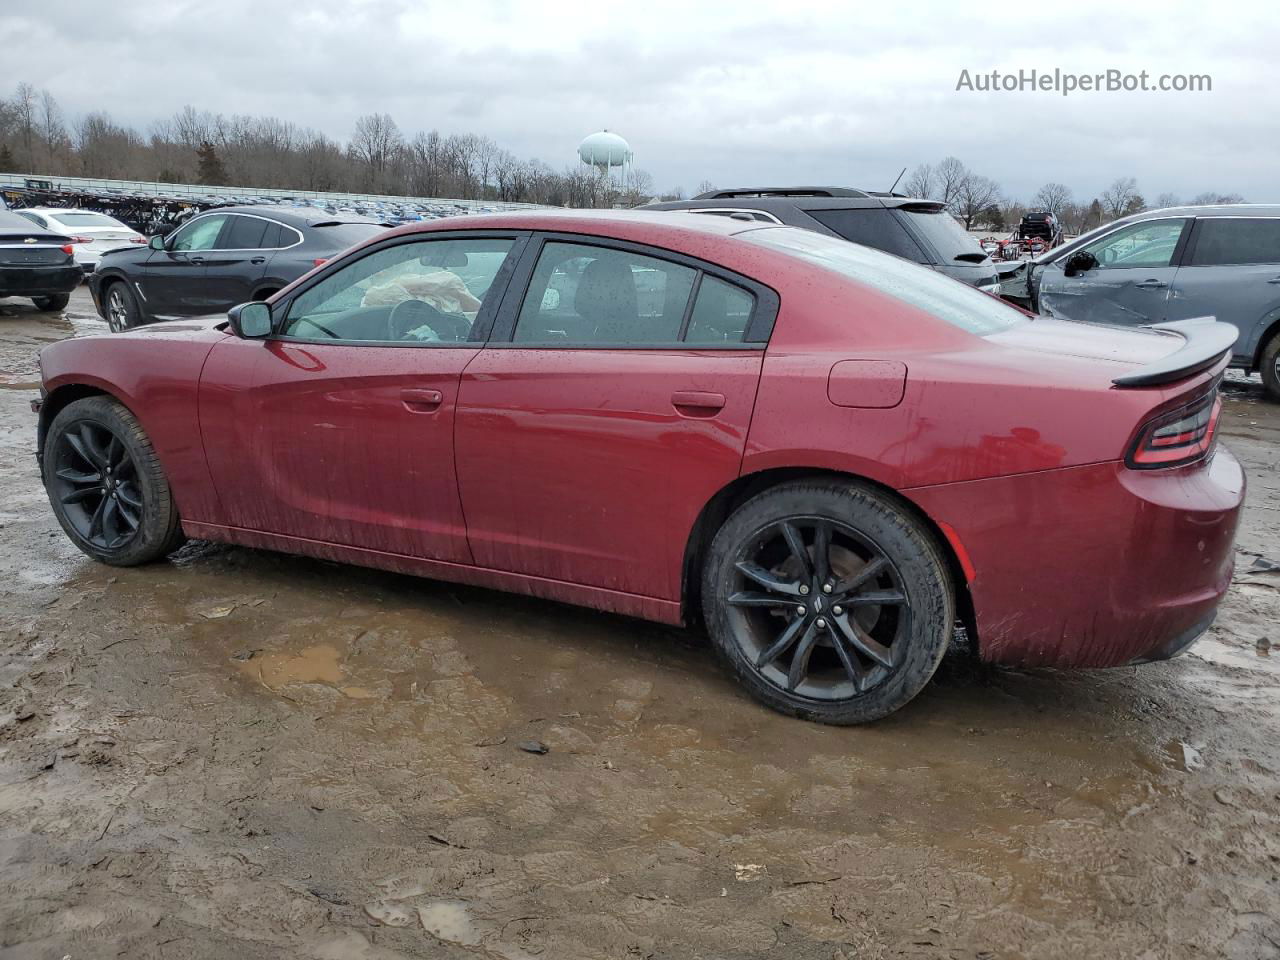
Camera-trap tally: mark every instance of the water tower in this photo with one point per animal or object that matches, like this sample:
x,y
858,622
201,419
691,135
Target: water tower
x,y
606,152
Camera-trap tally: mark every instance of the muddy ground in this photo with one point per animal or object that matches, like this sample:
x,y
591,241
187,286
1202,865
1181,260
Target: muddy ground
x,y
242,754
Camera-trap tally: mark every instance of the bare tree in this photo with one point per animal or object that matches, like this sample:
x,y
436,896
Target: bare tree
x,y
706,186
375,143
1052,197
920,183
1206,199
951,174
1119,198
974,197
1168,200
24,105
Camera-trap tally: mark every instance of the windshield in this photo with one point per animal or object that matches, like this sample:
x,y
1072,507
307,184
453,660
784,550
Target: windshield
x,y
949,238
70,219
957,303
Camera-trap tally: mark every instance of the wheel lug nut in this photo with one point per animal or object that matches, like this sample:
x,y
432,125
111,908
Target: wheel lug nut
x,y
821,623
826,588
837,610
802,610
804,589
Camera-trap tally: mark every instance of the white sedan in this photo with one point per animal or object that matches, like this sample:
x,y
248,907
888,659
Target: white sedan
x,y
91,234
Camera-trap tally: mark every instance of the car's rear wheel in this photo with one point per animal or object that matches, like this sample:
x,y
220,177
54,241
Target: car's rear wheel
x,y
828,601
121,307
57,301
1270,368
106,485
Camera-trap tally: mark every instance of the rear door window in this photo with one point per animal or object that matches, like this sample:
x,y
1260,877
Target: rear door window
x,y
1223,241
244,233
872,227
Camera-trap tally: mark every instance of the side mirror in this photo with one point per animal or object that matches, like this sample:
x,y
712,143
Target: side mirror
x,y
156,243
1079,262
250,321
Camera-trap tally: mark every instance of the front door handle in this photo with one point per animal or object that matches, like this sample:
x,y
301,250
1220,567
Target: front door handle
x,y
195,259
421,401
258,260
1151,284
696,403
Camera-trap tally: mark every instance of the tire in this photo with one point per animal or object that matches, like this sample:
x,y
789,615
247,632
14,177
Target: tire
x,y
95,505
1270,368
57,301
856,653
120,306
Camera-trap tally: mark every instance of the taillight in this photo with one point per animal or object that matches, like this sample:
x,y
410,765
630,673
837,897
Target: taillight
x,y
137,239
1177,438
69,250
82,239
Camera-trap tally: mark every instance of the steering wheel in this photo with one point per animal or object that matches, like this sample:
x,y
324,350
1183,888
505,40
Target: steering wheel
x,y
319,326
408,315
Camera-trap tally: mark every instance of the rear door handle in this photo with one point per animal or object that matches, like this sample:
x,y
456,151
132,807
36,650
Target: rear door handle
x,y
196,259
258,260
421,401
696,403
1151,284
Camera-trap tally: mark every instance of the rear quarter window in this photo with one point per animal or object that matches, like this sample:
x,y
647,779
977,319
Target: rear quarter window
x,y
947,237
871,227
957,303
1227,241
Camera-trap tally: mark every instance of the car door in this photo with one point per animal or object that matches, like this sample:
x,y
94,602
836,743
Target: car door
x,y
611,403
173,277
339,427
1231,271
1130,283
238,260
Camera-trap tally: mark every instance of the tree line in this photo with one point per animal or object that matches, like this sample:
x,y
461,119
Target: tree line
x,y
197,146
979,203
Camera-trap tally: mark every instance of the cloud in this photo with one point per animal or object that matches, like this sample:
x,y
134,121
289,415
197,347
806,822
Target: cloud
x,y
732,93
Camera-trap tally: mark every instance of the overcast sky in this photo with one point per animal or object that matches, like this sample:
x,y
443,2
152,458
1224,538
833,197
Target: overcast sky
x,y
734,93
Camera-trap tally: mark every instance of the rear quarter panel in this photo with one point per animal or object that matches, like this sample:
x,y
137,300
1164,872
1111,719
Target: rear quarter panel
x,y
155,374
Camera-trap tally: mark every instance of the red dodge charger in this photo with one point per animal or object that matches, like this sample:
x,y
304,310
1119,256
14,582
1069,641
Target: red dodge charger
x,y
828,455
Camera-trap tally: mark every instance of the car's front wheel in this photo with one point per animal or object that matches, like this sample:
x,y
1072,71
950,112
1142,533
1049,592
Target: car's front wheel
x,y
121,307
828,601
56,301
106,485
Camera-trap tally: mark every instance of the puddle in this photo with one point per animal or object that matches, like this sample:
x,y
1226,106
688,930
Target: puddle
x,y
448,920
318,664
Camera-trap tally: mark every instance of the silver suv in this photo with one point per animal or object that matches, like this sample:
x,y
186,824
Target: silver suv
x,y
1171,265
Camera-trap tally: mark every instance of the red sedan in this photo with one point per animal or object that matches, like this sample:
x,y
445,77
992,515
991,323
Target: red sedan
x,y
828,455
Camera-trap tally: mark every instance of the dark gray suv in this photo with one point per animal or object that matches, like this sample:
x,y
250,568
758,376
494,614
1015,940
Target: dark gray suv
x,y
918,230
1174,264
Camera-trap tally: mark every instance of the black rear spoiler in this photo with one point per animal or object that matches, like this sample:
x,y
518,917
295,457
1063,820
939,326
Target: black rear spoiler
x,y
1206,343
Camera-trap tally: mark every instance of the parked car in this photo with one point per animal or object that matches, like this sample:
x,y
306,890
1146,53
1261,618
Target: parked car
x,y
917,230
92,234
1174,264
36,263
827,454
217,259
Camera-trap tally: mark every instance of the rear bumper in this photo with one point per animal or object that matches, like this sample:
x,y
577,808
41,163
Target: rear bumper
x,y
1095,566
39,281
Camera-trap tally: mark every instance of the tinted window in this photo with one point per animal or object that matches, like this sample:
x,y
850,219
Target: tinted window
x,y
424,292
276,236
585,294
873,228
1148,245
957,303
34,218
245,233
1235,240
199,234
947,237
720,313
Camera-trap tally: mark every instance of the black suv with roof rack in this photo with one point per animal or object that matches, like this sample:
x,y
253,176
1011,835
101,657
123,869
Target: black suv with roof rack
x,y
917,230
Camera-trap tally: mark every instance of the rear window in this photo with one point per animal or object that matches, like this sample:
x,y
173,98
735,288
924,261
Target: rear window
x,y
343,235
957,303
1223,241
946,236
85,219
871,227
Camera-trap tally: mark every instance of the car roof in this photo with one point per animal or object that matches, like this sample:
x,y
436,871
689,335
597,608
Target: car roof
x,y
1211,210
293,216
753,192
851,200
553,218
